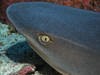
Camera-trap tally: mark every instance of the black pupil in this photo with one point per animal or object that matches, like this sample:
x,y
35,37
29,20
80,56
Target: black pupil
x,y
45,39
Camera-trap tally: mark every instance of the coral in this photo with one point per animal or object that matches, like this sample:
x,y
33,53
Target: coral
x,y
17,58
25,70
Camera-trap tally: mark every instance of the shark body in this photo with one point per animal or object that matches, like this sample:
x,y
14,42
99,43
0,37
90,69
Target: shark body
x,y
74,33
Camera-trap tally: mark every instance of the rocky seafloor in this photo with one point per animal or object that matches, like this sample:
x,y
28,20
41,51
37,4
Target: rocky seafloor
x,y
17,57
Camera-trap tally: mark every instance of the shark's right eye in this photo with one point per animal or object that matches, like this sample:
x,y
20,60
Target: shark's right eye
x,y
44,39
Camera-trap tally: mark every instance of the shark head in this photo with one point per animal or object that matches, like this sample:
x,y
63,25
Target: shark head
x,y
54,33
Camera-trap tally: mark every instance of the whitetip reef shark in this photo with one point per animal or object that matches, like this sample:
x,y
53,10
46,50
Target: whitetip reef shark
x,y
67,38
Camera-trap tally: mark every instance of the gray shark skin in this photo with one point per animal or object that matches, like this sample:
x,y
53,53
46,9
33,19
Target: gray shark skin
x,y
74,33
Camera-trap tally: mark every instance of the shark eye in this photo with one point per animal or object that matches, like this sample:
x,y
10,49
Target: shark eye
x,y
44,39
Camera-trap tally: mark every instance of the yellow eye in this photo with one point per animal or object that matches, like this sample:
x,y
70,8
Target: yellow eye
x,y
44,39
